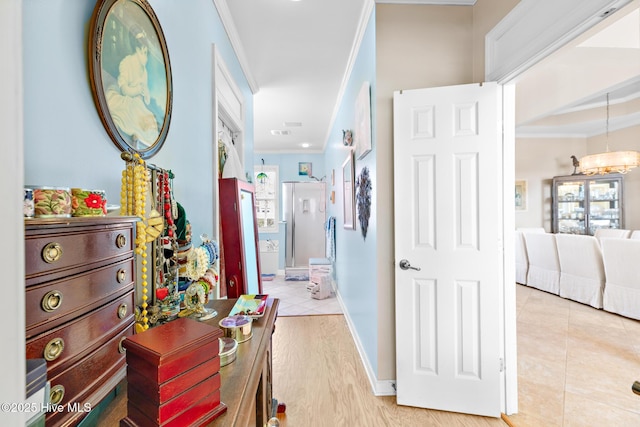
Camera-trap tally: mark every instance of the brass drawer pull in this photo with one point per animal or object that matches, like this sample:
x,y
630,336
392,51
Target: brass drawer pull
x,y
121,241
121,276
51,301
121,348
53,349
56,394
52,252
122,311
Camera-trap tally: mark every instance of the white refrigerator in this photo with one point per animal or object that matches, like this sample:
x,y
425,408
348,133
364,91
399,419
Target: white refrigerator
x,y
304,212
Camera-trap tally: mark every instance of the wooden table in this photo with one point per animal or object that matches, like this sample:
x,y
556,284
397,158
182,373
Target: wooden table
x,y
246,382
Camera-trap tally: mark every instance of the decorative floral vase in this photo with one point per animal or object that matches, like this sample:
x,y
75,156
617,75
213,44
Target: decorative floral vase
x,y
51,202
88,202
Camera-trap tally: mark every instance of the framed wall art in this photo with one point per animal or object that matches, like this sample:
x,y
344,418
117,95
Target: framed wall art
x,y
304,169
348,192
130,75
521,195
363,200
362,137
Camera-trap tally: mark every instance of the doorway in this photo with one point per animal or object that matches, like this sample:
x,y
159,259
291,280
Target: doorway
x,y
511,53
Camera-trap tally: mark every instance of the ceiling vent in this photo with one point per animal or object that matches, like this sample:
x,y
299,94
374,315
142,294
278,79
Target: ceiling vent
x,y
292,124
278,132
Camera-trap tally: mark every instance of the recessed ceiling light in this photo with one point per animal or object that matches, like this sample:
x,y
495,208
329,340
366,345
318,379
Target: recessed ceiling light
x,y
305,145
280,132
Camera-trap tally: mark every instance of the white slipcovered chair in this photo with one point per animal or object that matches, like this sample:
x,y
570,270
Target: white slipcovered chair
x,y
615,233
522,259
622,268
582,276
531,229
544,266
635,234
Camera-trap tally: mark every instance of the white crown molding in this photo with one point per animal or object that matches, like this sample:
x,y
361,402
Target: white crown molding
x,y
582,130
234,38
536,28
432,2
367,10
288,151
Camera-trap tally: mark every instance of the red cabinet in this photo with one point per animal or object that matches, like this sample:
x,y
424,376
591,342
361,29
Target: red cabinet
x,y
239,238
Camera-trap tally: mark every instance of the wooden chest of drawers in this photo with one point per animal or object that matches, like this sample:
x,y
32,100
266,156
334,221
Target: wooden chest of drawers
x,y
79,284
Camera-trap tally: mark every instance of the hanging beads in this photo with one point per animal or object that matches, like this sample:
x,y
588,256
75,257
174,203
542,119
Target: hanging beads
x,y
133,197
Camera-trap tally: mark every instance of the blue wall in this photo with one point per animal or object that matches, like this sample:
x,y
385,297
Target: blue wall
x,y
65,142
288,171
356,256
355,271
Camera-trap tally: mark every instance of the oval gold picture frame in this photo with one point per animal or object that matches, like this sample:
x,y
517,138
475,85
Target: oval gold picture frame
x,y
130,75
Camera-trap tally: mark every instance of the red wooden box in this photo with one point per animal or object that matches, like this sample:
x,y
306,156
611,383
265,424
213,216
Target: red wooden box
x,y
172,375
159,393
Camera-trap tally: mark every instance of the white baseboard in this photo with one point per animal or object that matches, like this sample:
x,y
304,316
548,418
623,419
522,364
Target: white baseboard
x,y
378,387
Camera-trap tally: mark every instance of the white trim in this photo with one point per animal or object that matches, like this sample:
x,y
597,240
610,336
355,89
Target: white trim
x,y
234,38
378,387
432,2
12,175
384,388
510,347
527,34
228,94
588,129
228,104
355,49
297,151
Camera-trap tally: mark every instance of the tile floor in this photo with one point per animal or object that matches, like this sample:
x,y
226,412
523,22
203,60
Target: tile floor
x,y
295,300
576,364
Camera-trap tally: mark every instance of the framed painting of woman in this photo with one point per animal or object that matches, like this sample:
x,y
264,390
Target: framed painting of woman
x,y
130,74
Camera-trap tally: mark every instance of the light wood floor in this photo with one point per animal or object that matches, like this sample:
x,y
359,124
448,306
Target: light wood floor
x,y
318,373
576,365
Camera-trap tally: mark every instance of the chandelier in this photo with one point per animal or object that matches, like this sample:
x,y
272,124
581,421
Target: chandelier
x,y
609,161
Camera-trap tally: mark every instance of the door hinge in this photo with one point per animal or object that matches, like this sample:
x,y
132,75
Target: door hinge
x,y
501,364
235,207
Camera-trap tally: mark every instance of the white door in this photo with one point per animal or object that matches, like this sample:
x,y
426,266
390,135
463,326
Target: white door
x,y
448,198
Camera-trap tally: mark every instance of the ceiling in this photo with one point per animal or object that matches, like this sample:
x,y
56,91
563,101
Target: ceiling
x,y
299,52
570,87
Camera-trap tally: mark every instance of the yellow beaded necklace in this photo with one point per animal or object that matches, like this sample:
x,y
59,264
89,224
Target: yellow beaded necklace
x,y
133,197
